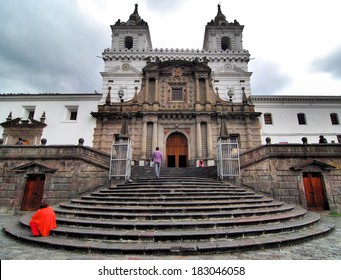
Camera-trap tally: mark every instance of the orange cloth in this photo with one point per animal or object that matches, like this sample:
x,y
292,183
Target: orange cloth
x,y
45,220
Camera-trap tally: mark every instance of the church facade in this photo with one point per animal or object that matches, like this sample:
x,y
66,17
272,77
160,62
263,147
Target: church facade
x,y
182,101
172,98
178,99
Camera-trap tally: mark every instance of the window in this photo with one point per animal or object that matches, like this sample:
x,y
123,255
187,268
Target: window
x,y
31,114
301,118
334,118
338,138
128,42
28,113
71,113
176,93
225,43
267,118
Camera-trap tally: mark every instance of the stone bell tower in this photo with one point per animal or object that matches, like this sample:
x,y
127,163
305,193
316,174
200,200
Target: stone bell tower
x,y
130,40
221,35
223,40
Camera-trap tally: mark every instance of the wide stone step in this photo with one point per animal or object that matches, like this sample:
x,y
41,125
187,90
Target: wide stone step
x,y
173,181
159,197
218,245
170,188
212,207
171,235
175,203
181,224
171,215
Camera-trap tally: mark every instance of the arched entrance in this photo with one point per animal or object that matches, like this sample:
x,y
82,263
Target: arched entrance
x,y
177,150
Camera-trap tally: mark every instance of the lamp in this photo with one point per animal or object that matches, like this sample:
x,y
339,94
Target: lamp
x,y
121,94
230,94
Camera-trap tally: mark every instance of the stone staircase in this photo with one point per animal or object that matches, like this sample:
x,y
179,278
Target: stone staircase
x,y
167,172
175,215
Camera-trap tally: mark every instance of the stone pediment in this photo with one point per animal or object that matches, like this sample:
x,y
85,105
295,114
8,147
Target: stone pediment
x,y
19,122
306,166
231,68
125,69
33,168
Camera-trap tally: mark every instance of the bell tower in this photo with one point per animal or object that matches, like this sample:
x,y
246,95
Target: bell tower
x,y
221,35
130,40
229,60
132,34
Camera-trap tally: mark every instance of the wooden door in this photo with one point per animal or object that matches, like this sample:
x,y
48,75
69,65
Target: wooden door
x,y
33,195
177,150
314,191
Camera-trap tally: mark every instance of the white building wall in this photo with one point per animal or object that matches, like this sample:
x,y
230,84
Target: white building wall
x,y
60,130
285,127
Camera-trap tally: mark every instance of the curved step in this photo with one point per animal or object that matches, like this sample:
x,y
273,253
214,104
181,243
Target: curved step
x,y
176,217
95,214
183,247
181,224
265,203
189,235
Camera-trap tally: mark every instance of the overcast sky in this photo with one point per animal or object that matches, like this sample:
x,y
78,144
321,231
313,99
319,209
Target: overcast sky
x,y
52,45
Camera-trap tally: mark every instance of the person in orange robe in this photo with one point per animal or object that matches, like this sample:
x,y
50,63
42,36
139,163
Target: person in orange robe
x,y
43,221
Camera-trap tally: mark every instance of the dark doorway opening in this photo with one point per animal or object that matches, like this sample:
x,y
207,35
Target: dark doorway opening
x,y
182,160
171,161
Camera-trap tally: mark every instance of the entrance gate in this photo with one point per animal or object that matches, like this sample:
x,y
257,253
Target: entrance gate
x,y
177,150
120,160
314,191
228,163
34,190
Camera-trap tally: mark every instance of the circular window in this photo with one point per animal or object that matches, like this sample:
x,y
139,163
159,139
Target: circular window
x,y
125,67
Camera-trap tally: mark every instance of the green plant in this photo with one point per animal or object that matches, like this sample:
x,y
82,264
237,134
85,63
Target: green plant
x,y
334,214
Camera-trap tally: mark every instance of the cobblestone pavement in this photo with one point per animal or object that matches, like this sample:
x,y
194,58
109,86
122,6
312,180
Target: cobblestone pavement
x,y
327,247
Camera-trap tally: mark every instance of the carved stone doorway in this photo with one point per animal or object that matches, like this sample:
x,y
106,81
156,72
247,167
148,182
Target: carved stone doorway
x,y
177,150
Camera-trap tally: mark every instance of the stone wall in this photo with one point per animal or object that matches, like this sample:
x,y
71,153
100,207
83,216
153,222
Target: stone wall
x,y
68,170
277,170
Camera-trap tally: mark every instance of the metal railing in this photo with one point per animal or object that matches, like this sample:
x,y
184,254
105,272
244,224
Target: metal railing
x,y
228,162
120,160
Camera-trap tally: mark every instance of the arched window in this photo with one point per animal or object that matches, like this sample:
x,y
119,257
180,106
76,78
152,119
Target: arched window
x,y
128,42
225,43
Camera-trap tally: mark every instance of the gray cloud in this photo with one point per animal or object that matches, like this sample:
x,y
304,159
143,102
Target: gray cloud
x,y
48,46
330,64
267,79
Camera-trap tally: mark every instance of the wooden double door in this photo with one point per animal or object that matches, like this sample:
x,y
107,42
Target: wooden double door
x,y
177,150
314,191
34,191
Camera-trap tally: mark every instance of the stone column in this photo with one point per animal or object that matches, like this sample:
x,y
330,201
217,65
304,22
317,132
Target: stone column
x,y
155,136
199,140
207,89
156,89
144,140
197,90
209,140
248,133
146,90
